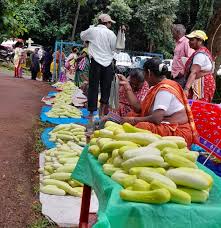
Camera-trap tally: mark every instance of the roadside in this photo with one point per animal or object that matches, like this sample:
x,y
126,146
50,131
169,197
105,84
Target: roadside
x,y
19,122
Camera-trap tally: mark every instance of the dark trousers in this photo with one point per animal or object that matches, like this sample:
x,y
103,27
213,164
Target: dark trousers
x,y
99,75
34,74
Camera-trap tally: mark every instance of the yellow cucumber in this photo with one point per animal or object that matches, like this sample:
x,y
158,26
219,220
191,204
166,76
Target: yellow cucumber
x,y
143,161
125,148
75,183
102,141
110,146
103,157
177,196
140,152
123,179
190,179
143,139
161,144
178,161
94,149
62,185
137,170
140,185
111,123
61,176
197,196
131,129
115,153
52,190
150,176
192,156
158,196
109,169
104,133
117,161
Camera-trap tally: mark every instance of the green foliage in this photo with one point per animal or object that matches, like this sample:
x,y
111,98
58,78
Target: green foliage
x,y
204,14
156,17
10,23
120,11
148,21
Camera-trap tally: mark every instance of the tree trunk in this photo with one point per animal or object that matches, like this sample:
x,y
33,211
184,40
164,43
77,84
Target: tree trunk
x,y
75,20
214,34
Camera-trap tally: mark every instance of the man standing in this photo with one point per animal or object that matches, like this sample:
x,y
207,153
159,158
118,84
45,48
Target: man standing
x,y
182,52
102,43
35,64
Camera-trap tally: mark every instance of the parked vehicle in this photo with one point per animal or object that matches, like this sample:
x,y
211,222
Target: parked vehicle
x,y
219,71
6,54
169,63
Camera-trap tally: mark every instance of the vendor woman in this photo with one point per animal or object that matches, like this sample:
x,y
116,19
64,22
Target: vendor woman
x,y
164,110
139,87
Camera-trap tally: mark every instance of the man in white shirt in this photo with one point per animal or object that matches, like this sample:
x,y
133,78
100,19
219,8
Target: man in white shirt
x,y
102,43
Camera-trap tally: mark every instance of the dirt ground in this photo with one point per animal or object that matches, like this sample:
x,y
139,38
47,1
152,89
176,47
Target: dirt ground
x,y
20,104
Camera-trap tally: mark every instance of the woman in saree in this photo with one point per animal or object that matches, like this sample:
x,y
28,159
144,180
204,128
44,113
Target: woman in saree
x,y
165,109
18,58
140,88
71,63
83,66
200,82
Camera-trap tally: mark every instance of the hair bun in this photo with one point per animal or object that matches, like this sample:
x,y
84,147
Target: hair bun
x,y
164,69
161,67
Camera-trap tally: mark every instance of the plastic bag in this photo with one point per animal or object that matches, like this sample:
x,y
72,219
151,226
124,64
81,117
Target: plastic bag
x,y
120,43
39,75
114,94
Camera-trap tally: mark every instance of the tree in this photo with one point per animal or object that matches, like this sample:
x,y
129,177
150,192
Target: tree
x,y
120,11
156,17
11,24
79,3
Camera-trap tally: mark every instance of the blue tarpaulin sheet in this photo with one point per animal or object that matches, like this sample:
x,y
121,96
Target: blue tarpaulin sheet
x,y
52,93
45,138
82,120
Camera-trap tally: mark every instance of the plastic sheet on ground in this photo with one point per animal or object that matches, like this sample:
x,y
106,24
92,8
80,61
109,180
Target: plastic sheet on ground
x,y
114,212
45,138
81,120
52,93
63,210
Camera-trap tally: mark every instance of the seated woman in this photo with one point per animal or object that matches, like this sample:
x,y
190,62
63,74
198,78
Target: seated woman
x,y
164,110
139,87
200,83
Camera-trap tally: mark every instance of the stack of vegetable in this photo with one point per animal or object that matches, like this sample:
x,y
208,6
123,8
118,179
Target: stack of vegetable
x,y
64,133
65,85
64,111
58,166
151,168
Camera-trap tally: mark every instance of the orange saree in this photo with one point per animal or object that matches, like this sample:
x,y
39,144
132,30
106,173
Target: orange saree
x,y
187,130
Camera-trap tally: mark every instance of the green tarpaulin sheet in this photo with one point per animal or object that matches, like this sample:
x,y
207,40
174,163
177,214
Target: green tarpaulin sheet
x,y
116,213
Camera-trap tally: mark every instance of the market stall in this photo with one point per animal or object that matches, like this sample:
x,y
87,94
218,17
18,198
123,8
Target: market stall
x,y
114,212
66,152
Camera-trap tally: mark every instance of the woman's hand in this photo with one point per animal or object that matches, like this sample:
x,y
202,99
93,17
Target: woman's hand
x,y
123,81
186,91
130,120
121,77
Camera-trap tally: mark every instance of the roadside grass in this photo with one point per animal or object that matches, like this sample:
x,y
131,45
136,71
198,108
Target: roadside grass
x,y
39,146
39,220
42,223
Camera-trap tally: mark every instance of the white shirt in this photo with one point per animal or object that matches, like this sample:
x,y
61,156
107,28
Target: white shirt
x,y
168,102
102,43
203,61
122,59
